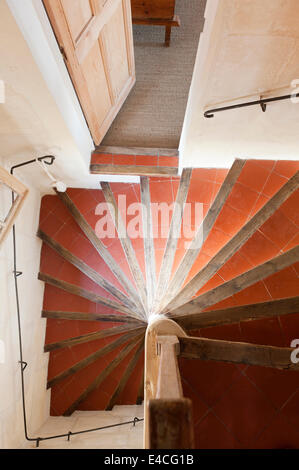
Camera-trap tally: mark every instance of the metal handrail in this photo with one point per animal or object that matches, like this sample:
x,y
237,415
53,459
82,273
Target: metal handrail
x,y
48,160
261,102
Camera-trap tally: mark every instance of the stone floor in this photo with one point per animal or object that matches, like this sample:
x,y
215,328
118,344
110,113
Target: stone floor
x,y
123,437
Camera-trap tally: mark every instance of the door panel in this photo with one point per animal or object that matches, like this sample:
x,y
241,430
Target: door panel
x,y
98,86
115,40
79,13
96,39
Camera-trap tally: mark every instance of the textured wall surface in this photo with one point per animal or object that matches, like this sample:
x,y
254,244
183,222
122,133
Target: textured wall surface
x,y
33,328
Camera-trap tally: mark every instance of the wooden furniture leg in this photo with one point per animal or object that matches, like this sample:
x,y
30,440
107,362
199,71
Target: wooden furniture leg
x,y
167,35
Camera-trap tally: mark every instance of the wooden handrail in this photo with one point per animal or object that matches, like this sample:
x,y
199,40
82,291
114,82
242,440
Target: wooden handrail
x,y
20,192
168,415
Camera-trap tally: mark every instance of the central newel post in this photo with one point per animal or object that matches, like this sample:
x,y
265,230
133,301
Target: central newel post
x,y
168,415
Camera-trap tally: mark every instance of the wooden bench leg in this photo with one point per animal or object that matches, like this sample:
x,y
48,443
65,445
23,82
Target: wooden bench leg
x,y
167,35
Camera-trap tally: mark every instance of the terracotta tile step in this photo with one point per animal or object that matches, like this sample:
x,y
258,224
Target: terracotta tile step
x,y
135,161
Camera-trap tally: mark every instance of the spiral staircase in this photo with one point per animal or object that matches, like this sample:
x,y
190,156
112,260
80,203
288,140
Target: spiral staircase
x,y
233,287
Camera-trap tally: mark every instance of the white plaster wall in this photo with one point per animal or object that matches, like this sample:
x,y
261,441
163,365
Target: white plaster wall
x,y
33,328
248,48
41,113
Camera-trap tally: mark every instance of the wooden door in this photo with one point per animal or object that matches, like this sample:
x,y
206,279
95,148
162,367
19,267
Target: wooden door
x,y
95,38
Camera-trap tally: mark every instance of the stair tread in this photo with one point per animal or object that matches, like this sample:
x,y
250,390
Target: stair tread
x,y
79,264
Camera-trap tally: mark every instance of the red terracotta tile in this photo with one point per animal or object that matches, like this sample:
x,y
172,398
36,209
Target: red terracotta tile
x,y
85,202
253,294
204,174
58,330
215,241
200,190
199,408
290,208
290,327
224,332
243,403
253,176
273,184
215,281
264,331
283,284
146,160
201,260
292,244
50,263
92,219
101,158
57,299
210,433
48,204
258,249
226,303
59,361
129,394
279,229
161,192
235,266
261,201
279,434
277,385
210,380
267,164
168,161
230,220
221,175
124,159
286,167
296,268
68,235
51,224
291,410
242,198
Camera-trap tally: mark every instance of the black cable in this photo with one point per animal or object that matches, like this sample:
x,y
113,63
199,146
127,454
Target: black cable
x,y
49,160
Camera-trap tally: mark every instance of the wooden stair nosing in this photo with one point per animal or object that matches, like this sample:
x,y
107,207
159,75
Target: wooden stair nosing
x,y
227,316
125,377
173,237
237,353
235,243
76,290
144,151
94,356
87,270
101,377
238,283
148,240
105,317
106,333
125,242
100,247
134,170
202,232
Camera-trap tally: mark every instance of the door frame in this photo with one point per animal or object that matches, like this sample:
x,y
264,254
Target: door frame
x,y
33,21
72,63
